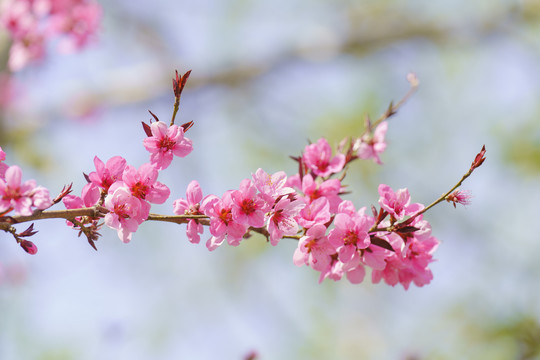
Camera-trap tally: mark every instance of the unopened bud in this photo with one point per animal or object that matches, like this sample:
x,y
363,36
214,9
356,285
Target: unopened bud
x,y
412,79
179,83
29,247
479,159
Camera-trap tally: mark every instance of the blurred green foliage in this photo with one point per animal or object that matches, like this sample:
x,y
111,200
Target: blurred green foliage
x,y
521,147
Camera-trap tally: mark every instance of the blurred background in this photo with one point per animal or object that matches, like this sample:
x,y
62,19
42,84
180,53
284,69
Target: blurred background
x,y
267,76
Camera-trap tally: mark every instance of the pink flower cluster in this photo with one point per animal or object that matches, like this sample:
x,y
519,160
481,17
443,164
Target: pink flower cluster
x,y
413,252
32,22
18,196
334,238
127,192
356,242
261,202
393,243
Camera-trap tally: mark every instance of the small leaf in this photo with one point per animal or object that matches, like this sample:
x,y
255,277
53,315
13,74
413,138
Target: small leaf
x,y
407,229
179,83
382,215
28,232
184,80
92,244
390,111
65,191
153,115
147,129
187,126
381,243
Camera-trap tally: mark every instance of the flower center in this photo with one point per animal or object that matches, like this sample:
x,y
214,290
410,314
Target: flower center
x,y
226,216
166,144
139,190
11,193
351,238
248,206
120,210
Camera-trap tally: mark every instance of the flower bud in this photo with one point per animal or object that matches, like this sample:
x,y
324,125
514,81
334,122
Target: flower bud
x,y
479,159
413,79
29,247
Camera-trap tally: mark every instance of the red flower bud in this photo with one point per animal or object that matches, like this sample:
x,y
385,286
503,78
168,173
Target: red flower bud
x,y
29,247
479,159
179,83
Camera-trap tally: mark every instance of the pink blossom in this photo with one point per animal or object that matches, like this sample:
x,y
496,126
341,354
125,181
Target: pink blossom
x,y
328,189
90,194
418,257
390,273
190,206
193,231
294,181
334,271
350,235
21,196
462,197
354,270
347,207
89,197
41,198
125,213
374,256
370,147
221,221
397,203
282,221
314,249
107,174
143,183
318,212
73,201
413,254
165,143
248,206
318,158
356,274
271,186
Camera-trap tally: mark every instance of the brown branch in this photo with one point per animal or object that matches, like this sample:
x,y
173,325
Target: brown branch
x,y
179,219
67,214
99,212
